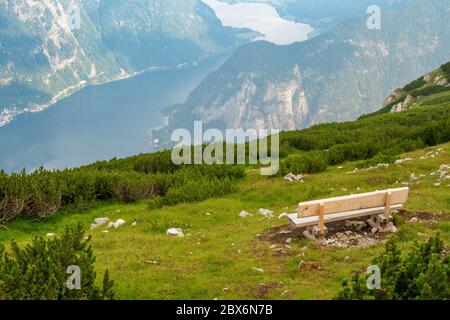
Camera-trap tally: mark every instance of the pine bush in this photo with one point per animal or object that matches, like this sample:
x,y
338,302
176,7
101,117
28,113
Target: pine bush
x,y
38,271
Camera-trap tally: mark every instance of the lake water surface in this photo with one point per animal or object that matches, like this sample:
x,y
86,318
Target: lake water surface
x,y
262,18
98,122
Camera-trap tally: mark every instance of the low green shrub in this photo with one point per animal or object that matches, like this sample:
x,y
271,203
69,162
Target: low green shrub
x,y
39,270
311,162
423,273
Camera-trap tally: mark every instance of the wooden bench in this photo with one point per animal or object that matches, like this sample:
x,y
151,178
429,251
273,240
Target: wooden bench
x,y
376,205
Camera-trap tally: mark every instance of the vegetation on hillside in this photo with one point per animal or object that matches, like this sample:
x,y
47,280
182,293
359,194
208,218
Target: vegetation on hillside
x,y
41,193
377,139
370,140
420,90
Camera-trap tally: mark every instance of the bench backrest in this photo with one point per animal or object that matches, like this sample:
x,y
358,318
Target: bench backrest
x,y
353,202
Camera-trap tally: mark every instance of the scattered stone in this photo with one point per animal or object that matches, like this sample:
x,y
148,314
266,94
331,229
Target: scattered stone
x,y
50,235
283,215
258,269
414,220
346,258
356,225
405,183
152,262
101,221
119,223
288,241
292,177
94,226
401,161
175,232
111,225
437,184
245,214
134,224
374,231
266,213
413,177
105,231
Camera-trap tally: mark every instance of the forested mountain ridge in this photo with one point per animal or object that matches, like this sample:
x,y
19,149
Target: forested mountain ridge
x,y
51,48
334,77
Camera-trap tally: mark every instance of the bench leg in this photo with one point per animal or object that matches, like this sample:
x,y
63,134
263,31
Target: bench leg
x,y
382,223
314,233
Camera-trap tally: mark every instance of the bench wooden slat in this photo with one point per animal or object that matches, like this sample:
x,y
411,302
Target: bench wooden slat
x,y
353,202
314,220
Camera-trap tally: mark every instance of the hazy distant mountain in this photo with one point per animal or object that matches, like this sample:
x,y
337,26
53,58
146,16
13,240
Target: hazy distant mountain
x,y
334,77
43,54
323,15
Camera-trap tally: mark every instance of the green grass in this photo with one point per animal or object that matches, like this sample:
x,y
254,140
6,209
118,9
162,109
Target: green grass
x,y
221,250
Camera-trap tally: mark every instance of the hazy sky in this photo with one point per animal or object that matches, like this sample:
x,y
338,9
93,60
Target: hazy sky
x,y
262,18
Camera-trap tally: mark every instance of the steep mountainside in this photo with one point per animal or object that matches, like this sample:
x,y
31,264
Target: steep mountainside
x,y
431,89
45,55
334,77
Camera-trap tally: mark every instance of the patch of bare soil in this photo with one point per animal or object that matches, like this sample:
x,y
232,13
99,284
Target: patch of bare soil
x,y
424,217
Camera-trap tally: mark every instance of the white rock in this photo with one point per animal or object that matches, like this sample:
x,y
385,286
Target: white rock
x,y
105,231
413,177
283,215
258,269
374,230
175,232
49,235
119,223
414,220
94,226
134,224
438,184
111,224
288,241
292,177
266,213
100,221
245,214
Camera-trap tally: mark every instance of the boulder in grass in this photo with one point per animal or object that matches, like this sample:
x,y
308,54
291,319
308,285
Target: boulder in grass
x,y
245,214
119,223
292,177
175,232
266,213
94,226
101,221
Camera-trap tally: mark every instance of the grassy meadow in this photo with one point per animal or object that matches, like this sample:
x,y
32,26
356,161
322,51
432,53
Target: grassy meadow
x,y
225,256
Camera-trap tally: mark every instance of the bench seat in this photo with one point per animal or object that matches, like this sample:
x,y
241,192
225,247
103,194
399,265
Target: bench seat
x,y
314,220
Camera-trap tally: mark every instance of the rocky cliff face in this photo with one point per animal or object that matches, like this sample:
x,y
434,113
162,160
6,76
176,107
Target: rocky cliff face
x,y
334,77
45,55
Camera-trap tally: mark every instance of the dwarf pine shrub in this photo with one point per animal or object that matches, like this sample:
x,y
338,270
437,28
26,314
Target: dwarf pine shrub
x,y
423,273
38,271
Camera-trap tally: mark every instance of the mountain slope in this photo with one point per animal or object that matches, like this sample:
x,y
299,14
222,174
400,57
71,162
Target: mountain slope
x,y
431,89
45,56
334,77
